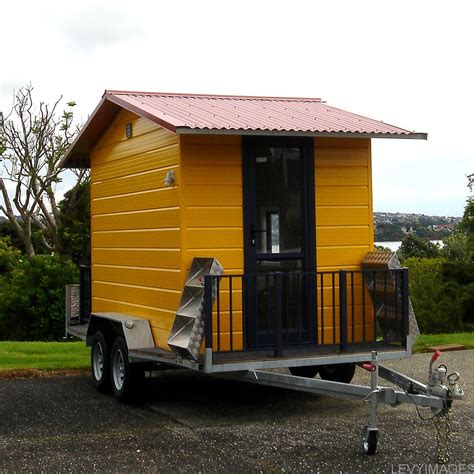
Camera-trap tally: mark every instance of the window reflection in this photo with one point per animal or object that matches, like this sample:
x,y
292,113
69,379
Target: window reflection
x,y
278,200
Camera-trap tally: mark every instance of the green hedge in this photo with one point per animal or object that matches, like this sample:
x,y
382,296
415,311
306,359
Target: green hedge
x,y
442,294
32,298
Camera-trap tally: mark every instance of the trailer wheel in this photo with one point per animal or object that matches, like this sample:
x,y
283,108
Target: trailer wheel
x,y
337,372
308,371
100,362
125,377
370,439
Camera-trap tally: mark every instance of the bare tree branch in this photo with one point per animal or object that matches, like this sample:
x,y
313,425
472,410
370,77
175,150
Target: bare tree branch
x,y
32,142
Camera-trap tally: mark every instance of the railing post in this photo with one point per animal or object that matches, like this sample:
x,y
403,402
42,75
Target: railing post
x,y
208,322
343,309
278,314
405,303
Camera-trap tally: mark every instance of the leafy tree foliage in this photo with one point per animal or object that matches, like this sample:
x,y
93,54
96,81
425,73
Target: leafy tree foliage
x,y
7,231
442,288
74,224
455,247
436,303
10,257
381,248
468,219
414,246
32,298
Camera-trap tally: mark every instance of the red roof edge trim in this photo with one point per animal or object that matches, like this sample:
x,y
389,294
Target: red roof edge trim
x,y
212,96
142,113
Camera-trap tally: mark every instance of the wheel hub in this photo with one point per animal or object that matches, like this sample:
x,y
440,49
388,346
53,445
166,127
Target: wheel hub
x,y
118,369
98,361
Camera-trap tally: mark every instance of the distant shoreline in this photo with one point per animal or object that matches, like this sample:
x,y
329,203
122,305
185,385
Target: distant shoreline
x,y
394,246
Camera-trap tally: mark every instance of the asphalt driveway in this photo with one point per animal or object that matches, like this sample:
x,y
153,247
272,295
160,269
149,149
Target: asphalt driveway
x,y
189,422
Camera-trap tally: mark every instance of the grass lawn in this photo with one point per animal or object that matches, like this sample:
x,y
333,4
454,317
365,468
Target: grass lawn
x,y
426,340
43,355
75,355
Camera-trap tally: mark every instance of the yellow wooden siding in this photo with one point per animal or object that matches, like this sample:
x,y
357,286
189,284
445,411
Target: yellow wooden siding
x,y
344,226
145,235
344,229
136,236
212,216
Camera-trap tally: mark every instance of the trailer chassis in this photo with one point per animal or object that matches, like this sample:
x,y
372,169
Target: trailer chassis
x,y
138,350
434,395
438,394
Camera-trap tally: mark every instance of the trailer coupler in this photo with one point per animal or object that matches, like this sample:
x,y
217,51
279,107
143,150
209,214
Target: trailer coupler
x,y
438,392
435,394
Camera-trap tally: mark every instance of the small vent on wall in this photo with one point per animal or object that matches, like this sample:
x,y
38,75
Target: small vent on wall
x,y
128,130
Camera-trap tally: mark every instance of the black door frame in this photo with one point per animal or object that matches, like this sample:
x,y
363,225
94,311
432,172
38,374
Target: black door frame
x,y
306,145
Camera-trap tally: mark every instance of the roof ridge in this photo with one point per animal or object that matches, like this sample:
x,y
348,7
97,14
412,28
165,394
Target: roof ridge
x,y
213,96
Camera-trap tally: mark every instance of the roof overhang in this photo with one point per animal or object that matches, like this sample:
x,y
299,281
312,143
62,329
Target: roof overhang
x,y
78,154
289,133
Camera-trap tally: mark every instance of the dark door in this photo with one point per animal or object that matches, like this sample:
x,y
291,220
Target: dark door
x,y
279,226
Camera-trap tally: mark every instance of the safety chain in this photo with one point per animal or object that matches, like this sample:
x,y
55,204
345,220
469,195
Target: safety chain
x,y
443,423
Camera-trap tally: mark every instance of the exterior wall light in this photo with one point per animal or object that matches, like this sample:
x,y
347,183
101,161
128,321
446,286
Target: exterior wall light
x,y
169,178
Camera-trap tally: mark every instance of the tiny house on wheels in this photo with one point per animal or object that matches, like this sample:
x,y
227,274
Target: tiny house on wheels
x,y
234,235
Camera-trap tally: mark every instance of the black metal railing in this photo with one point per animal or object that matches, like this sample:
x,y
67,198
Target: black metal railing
x,y
284,312
85,294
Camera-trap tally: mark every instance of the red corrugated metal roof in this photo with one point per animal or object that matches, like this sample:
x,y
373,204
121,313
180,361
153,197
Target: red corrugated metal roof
x,y
227,114
242,113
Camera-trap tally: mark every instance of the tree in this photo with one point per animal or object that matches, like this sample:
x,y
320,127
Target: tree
x,y
32,142
467,223
6,230
32,299
455,247
9,256
414,246
437,303
74,224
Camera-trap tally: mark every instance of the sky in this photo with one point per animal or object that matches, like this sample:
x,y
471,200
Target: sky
x,y
408,63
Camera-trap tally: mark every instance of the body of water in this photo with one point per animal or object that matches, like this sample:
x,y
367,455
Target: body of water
x,y
394,246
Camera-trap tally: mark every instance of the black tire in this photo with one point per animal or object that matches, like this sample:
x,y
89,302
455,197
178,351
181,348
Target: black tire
x,y
308,371
370,439
100,357
125,378
337,372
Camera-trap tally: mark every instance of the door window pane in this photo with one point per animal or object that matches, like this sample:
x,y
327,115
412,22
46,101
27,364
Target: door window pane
x,y
278,200
294,324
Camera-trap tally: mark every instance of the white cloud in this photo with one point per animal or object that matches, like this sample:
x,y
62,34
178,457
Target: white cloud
x,y
406,63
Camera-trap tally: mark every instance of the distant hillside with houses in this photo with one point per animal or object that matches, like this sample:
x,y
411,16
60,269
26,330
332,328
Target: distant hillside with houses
x,y
388,226
394,226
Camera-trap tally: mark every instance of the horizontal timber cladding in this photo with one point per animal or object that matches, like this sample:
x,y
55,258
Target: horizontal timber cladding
x,y
344,227
212,214
136,237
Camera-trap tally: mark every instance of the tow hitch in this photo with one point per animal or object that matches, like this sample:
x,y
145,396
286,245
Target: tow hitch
x,y
436,395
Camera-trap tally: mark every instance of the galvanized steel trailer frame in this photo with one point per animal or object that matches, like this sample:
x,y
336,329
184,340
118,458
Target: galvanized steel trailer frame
x,y
137,334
